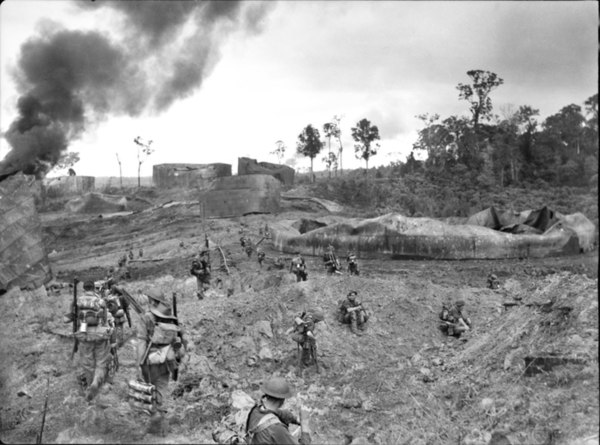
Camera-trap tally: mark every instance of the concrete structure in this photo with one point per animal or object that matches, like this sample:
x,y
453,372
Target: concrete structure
x,y
187,175
241,195
67,185
23,260
249,166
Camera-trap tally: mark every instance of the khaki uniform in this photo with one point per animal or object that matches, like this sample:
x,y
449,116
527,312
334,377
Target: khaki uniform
x,y
156,373
95,342
201,270
356,319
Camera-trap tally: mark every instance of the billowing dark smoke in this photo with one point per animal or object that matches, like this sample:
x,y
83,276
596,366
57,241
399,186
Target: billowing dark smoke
x,y
70,78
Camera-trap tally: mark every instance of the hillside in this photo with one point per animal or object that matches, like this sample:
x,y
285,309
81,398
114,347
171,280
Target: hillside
x,y
401,382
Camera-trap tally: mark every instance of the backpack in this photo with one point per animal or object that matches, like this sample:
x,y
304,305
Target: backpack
x,y
166,343
90,309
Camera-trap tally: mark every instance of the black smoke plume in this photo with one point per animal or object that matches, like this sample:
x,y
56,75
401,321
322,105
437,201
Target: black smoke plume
x,y
68,79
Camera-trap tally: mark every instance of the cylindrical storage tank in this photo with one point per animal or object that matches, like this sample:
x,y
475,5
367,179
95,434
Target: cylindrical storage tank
x,y
23,259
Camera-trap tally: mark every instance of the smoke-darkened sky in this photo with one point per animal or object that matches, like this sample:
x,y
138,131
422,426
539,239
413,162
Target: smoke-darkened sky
x,y
209,82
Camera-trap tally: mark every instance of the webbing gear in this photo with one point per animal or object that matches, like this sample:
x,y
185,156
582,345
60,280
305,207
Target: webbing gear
x,y
267,420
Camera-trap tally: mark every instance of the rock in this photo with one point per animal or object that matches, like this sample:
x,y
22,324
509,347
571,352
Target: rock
x,y
437,361
264,327
245,343
241,400
417,358
499,438
427,374
487,403
265,353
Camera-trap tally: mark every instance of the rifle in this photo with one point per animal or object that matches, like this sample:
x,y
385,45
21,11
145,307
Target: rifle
x,y
75,317
39,435
176,370
132,301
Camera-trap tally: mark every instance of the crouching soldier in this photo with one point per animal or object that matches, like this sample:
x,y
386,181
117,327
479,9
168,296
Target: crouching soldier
x,y
298,267
303,333
201,270
95,336
161,349
454,322
353,312
332,264
493,282
268,423
352,264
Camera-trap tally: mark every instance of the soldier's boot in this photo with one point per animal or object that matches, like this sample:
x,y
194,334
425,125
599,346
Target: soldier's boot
x,y
93,389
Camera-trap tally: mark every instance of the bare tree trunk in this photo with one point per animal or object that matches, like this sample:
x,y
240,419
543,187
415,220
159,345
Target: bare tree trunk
x,y
139,167
312,176
120,171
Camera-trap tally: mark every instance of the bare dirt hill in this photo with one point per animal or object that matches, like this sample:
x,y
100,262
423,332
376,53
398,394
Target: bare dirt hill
x,y
400,382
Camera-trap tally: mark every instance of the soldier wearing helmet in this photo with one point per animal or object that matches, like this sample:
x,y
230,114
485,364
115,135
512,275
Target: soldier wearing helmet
x,y
201,270
95,334
160,351
493,282
332,264
298,267
304,334
260,256
454,321
268,423
352,264
353,312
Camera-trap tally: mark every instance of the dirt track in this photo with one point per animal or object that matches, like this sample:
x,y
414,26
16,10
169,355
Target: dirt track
x,y
402,382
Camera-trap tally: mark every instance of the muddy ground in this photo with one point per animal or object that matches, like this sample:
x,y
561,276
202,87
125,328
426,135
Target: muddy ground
x,y
402,381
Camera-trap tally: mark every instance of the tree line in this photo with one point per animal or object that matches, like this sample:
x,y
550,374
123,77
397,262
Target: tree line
x,y
512,148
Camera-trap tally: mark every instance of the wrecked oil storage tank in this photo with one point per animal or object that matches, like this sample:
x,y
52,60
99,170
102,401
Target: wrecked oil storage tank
x,y
23,259
187,175
426,238
249,166
241,195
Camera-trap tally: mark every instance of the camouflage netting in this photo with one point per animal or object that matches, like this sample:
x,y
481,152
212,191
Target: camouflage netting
x,y
241,195
536,234
97,203
248,166
187,175
23,260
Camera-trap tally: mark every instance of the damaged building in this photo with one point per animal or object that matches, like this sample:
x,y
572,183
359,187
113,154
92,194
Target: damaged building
x,y
166,176
249,166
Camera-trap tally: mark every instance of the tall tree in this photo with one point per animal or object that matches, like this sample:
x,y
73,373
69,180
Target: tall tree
x,y
309,144
279,151
146,151
328,129
330,162
477,93
337,133
365,135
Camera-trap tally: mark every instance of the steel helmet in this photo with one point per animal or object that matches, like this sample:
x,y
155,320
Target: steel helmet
x,y
317,314
277,387
460,303
89,285
156,294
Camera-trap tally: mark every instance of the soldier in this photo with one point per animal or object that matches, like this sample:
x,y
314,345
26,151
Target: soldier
x,y
122,261
249,249
201,270
260,256
118,306
160,351
304,334
454,322
268,423
353,312
352,264
243,242
141,252
493,282
298,267
130,254
331,261
279,262
95,335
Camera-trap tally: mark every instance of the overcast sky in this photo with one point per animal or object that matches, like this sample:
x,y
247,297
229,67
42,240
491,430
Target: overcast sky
x,y
302,63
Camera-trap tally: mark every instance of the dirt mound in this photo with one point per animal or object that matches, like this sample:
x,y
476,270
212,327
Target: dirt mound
x,y
97,203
